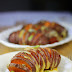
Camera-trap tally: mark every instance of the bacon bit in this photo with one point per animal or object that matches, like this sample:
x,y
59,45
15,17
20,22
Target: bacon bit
x,y
47,24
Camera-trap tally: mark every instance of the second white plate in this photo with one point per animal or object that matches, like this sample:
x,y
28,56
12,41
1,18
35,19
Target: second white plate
x,y
5,34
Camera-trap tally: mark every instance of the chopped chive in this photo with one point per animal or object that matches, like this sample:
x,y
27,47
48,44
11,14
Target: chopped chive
x,y
46,70
32,30
12,71
37,46
30,38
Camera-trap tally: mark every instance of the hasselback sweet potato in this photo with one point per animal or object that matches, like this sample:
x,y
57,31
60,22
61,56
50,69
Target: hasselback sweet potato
x,y
35,60
41,33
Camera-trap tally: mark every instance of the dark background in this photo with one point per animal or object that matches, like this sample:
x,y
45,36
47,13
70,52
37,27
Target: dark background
x,y
35,5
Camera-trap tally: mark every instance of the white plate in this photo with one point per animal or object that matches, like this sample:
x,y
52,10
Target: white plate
x,y
64,66
5,34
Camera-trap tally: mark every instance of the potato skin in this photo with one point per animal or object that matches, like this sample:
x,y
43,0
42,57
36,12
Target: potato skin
x,y
13,37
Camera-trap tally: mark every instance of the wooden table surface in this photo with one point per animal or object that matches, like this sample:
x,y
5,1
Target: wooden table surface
x,y
65,49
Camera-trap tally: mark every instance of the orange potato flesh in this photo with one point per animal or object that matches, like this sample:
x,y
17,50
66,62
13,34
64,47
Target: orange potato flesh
x,y
47,24
15,69
18,61
28,27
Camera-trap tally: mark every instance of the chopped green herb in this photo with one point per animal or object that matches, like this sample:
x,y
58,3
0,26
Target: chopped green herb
x,y
37,46
32,30
12,71
30,38
46,70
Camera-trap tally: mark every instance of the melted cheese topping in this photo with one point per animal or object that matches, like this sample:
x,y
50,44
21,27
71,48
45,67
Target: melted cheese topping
x,y
21,33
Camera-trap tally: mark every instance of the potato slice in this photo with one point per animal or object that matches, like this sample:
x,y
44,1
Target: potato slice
x,y
25,61
18,68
